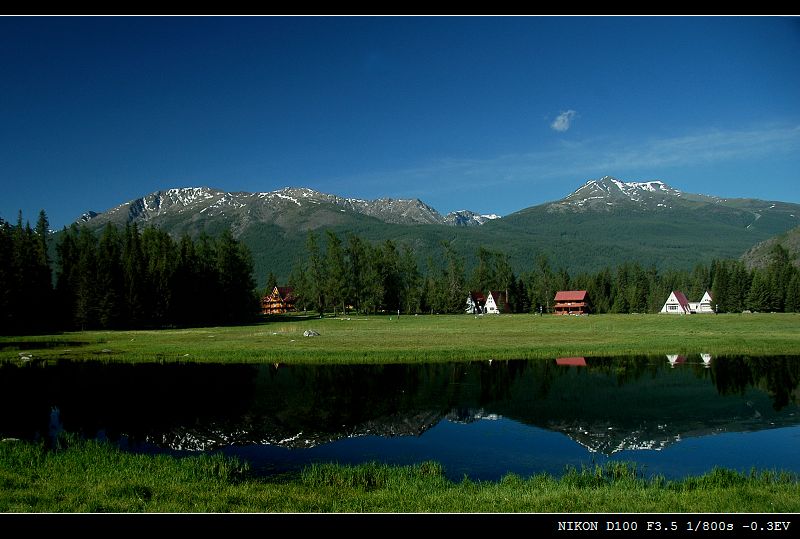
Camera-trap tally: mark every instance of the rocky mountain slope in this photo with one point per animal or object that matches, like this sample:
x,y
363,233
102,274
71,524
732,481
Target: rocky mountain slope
x,y
275,206
759,256
603,223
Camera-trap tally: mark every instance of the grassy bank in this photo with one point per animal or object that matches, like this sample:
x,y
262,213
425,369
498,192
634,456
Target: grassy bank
x,y
382,339
92,477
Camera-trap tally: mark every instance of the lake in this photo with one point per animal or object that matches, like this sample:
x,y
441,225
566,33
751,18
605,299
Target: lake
x,y
671,415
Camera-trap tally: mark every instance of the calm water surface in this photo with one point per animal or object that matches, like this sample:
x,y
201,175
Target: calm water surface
x,y
672,415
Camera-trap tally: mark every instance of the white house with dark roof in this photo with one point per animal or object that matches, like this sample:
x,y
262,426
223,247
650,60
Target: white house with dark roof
x,y
678,304
704,306
496,302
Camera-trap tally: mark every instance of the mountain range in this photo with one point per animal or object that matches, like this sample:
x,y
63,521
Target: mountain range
x,y
602,223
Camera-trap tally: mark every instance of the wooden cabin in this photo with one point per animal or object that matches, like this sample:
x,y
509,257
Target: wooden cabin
x,y
571,302
280,301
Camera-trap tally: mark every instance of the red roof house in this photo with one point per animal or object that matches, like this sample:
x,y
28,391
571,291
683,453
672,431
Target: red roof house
x,y
571,361
571,302
280,301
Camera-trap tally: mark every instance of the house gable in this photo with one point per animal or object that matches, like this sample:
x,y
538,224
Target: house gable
x,y
496,302
676,304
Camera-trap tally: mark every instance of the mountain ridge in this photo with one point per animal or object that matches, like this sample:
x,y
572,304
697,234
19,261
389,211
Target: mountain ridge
x,y
602,223
216,201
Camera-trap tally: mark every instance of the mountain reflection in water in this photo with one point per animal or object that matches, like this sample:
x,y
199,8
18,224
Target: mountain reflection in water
x,y
607,405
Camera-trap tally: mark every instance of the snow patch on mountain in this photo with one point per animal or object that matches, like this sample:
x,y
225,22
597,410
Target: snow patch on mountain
x,y
468,218
268,205
608,192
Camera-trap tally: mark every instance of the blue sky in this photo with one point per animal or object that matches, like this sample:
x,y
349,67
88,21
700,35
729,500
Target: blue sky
x,y
488,114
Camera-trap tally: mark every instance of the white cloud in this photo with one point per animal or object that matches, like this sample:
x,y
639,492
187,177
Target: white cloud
x,y
563,120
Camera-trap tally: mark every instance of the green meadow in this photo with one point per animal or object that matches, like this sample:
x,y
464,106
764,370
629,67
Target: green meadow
x,y
89,476
387,339
95,477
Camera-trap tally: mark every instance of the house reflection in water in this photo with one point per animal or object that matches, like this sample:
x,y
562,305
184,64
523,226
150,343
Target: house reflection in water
x,y
571,361
676,359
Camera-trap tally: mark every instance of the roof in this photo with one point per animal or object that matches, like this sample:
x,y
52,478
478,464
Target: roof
x,y
571,295
285,290
477,296
285,293
681,298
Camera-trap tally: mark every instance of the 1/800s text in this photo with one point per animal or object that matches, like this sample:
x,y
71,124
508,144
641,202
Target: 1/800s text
x,y
721,525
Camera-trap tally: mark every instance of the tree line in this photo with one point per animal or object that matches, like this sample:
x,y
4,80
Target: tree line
x,y
385,277
127,278
121,278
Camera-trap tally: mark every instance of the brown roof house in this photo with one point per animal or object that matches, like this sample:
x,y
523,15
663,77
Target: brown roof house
x,y
571,302
280,301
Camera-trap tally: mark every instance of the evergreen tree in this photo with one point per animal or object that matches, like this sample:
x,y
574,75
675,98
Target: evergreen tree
x,y
237,286
66,276
504,278
700,282
357,262
208,291
272,282
373,291
133,272
388,263
779,273
335,278
110,280
86,293
483,276
759,298
738,287
453,286
299,283
599,291
793,294
161,257
720,287
315,274
541,285
187,306
411,281
6,314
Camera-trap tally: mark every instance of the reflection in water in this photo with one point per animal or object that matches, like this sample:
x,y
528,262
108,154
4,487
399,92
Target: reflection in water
x,y
607,405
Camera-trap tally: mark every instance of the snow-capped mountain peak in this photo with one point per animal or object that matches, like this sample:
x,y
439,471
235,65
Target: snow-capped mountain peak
x,y
269,206
468,218
608,192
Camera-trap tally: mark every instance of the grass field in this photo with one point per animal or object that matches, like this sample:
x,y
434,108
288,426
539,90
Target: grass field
x,y
384,339
96,477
